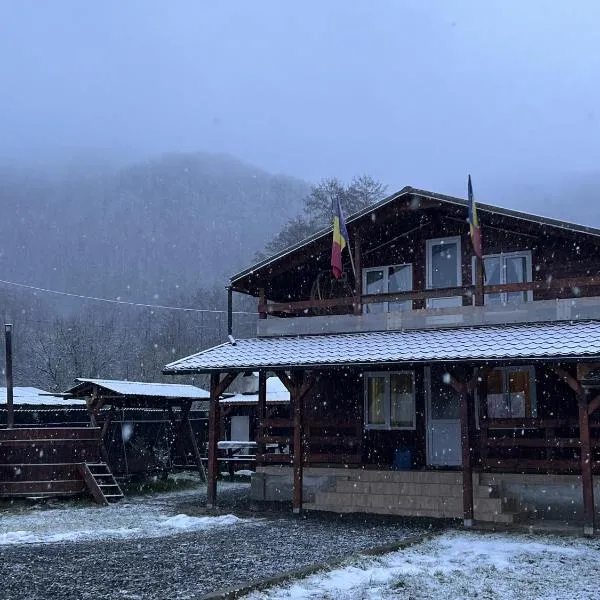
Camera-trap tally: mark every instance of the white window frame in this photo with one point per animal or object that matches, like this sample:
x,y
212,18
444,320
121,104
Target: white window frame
x,y
506,386
385,268
502,255
435,242
388,400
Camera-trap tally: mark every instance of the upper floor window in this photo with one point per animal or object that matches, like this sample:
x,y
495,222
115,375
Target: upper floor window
x,y
388,279
390,400
511,393
507,267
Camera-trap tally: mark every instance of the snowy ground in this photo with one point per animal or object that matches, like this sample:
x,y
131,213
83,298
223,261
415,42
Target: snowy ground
x,y
461,565
137,518
164,546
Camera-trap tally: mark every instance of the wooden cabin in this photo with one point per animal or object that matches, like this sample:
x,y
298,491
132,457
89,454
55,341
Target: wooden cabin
x,y
423,382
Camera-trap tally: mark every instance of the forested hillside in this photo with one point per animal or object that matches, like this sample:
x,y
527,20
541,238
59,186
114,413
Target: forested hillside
x,y
143,231
166,231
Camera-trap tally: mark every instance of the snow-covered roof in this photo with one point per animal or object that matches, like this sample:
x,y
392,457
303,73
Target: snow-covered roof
x,y
36,397
276,392
504,342
140,388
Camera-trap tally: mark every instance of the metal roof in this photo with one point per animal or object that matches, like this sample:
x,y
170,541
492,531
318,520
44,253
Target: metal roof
x,y
375,349
32,396
277,393
408,191
140,388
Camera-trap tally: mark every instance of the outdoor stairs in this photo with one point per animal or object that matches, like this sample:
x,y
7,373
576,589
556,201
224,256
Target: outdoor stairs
x,y
434,494
101,483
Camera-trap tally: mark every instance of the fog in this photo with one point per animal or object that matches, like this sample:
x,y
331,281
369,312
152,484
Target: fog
x,y
413,93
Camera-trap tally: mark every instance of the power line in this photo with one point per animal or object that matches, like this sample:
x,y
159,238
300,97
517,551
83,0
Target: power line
x,y
111,301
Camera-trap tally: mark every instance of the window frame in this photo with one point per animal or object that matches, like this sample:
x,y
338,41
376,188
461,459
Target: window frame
x,y
506,370
502,255
385,268
387,406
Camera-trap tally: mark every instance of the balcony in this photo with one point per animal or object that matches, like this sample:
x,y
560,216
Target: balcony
x,y
567,299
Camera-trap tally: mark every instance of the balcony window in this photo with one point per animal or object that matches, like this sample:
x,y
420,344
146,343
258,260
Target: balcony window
x,y
388,279
390,400
509,267
511,393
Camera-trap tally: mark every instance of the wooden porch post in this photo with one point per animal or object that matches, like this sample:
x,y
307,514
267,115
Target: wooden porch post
x,y
465,428
298,450
260,416
587,481
213,438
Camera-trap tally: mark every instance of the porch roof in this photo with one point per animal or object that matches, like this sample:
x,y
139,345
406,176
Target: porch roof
x,y
568,340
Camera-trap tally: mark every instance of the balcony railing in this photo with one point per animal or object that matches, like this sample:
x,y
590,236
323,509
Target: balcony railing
x,y
572,287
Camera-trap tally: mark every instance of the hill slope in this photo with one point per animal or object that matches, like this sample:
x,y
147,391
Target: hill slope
x,y
142,232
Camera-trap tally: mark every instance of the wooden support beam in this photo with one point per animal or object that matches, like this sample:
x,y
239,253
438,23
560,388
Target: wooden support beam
x,y
587,481
571,381
467,467
479,296
287,382
261,411
594,405
262,304
213,438
297,457
187,428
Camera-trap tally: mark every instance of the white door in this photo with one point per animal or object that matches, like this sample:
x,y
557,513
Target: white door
x,y
444,269
443,420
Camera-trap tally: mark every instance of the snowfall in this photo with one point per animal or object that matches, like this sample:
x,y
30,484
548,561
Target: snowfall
x,y
448,563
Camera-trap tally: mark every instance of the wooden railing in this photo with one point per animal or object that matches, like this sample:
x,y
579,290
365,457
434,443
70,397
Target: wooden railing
x,y
571,287
533,445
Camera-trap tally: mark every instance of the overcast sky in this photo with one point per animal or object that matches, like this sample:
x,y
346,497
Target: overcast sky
x,y
414,93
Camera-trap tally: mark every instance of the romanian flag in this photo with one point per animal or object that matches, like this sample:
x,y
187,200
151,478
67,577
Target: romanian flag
x,y
474,224
340,240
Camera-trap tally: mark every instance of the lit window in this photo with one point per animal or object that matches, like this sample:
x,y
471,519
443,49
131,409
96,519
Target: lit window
x,y
390,400
511,393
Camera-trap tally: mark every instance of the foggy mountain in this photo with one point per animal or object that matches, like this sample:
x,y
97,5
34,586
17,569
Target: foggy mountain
x,y
141,232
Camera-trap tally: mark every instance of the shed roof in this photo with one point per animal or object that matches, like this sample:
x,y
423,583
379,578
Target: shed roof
x,y
140,388
375,349
32,396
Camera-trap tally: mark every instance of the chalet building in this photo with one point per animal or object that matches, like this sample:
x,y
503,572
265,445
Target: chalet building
x,y
417,387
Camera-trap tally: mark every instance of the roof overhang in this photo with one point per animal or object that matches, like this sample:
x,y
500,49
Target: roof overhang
x,y
558,341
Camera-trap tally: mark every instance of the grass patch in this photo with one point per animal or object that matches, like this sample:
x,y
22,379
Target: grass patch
x,y
140,486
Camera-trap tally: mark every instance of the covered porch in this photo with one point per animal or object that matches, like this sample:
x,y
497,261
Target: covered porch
x,y
454,433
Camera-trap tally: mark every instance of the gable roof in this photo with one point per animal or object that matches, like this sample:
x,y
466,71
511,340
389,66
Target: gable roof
x,y
557,340
421,194
140,388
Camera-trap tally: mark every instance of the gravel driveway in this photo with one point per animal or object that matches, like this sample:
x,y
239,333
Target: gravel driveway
x,y
189,564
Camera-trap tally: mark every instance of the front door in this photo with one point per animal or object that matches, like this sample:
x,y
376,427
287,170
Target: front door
x,y
443,420
444,269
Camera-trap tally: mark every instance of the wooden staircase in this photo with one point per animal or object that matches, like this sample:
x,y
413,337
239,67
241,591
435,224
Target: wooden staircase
x,y
101,483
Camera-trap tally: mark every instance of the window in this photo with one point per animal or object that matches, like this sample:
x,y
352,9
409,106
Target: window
x,y
509,267
444,269
390,400
383,280
511,393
